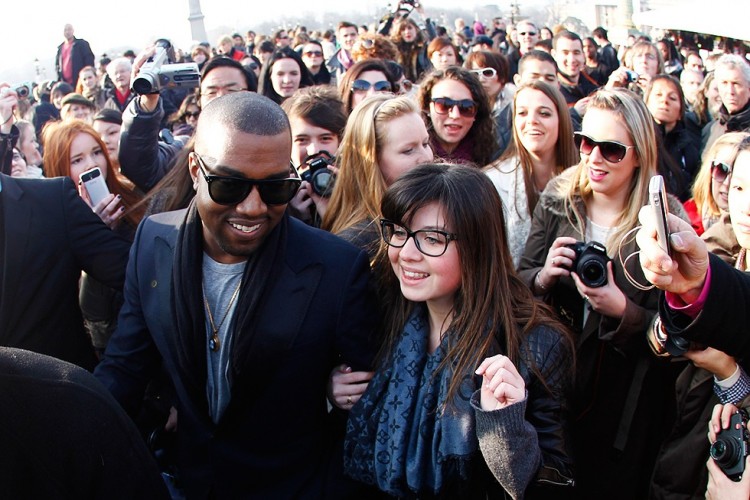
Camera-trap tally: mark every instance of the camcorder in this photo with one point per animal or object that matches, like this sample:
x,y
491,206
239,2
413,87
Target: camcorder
x,y
318,175
590,263
157,73
731,447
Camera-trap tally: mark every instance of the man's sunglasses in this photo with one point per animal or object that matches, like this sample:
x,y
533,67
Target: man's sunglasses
x,y
530,33
720,171
364,86
612,151
226,190
443,105
485,72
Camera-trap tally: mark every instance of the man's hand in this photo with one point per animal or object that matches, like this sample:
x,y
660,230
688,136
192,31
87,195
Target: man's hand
x,y
345,387
685,273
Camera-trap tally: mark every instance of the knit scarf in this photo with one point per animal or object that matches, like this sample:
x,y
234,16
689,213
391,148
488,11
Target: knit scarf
x,y
398,437
262,269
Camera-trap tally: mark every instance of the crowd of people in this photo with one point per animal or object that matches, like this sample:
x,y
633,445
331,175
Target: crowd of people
x,y
373,262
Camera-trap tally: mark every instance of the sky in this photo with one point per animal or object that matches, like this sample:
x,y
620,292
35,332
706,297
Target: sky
x,y
36,32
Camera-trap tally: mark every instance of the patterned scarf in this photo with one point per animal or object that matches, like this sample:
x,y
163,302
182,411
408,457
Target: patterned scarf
x,y
397,436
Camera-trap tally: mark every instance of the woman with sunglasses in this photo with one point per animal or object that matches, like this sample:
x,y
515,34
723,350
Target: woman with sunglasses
x,y
542,147
283,74
492,70
364,79
468,400
460,124
384,137
185,119
312,56
620,385
711,187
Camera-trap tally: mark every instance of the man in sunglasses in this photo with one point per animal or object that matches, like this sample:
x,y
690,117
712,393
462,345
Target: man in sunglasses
x,y
248,310
528,35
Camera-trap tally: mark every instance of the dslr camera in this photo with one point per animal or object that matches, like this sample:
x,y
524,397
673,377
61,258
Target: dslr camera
x,y
156,75
590,263
731,447
317,174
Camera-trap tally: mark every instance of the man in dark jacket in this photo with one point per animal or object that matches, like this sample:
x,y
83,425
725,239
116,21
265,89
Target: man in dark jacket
x,y
732,76
575,84
72,56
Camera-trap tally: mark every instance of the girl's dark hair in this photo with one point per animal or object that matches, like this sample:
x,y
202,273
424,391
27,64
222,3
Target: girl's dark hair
x,y
265,87
493,309
483,129
345,87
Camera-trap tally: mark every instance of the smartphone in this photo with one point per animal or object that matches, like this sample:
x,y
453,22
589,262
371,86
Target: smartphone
x,y
96,187
657,196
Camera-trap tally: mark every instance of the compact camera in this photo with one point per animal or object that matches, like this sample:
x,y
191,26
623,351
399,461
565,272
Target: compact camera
x,y
156,75
590,263
731,447
317,174
22,89
632,75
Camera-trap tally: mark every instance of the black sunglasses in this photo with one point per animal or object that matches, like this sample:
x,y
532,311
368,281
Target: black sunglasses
x,y
226,190
192,114
466,107
720,171
431,242
612,151
364,86
530,33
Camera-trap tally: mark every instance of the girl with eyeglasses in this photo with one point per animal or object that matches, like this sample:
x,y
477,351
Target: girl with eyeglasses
x,y
460,123
312,55
468,400
364,79
542,148
622,395
711,187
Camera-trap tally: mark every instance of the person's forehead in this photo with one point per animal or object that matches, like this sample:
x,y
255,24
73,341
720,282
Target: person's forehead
x,y
539,67
525,26
223,75
223,146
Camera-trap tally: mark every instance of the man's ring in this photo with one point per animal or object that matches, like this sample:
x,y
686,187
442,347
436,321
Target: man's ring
x,y
349,400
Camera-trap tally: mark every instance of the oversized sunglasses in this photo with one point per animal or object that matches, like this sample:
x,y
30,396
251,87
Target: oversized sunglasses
x,y
226,190
192,114
364,86
485,72
443,105
612,151
431,242
530,33
720,171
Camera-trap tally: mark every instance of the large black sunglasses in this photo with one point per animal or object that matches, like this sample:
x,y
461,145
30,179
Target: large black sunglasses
x,y
720,171
443,105
612,151
226,190
431,242
364,86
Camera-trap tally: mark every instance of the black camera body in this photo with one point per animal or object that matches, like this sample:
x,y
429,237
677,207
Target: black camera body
x,y
731,447
157,73
590,263
317,174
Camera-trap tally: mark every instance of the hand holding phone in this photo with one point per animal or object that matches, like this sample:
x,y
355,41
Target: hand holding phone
x,y
95,185
657,196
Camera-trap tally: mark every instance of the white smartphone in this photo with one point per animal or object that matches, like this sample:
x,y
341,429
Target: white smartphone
x,y
96,187
657,196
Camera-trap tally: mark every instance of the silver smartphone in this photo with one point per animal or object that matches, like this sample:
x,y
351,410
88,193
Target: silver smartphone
x,y
96,187
657,196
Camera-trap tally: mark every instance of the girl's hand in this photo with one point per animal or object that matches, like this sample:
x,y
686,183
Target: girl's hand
x,y
109,209
345,387
559,260
502,385
608,299
720,487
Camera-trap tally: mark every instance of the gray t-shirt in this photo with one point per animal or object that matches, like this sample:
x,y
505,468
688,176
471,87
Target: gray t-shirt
x,y
219,284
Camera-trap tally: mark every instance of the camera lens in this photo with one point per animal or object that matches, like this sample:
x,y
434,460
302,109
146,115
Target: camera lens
x,y
322,182
592,272
725,452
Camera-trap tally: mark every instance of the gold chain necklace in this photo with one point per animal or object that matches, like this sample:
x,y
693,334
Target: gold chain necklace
x,y
213,341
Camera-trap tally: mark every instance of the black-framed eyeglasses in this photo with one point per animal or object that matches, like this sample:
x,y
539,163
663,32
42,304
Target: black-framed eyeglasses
x,y
612,151
431,242
443,105
720,171
227,190
364,86
485,72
